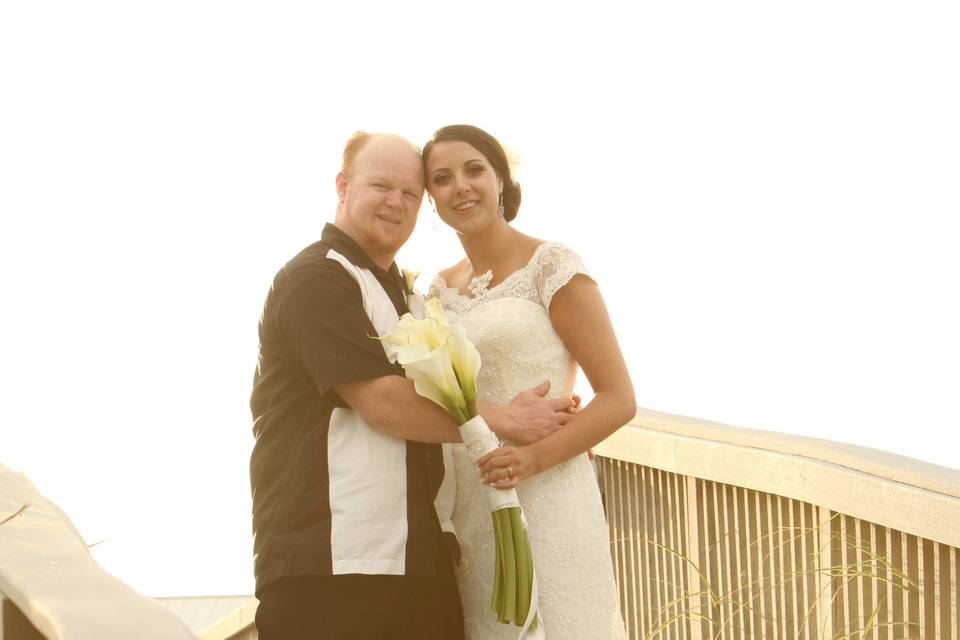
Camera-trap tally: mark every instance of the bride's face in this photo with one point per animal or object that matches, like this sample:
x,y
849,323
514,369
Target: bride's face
x,y
464,186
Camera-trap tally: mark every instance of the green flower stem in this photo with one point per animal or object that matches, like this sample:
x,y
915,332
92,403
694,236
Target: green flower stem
x,y
499,536
508,611
502,535
513,569
497,567
470,399
521,548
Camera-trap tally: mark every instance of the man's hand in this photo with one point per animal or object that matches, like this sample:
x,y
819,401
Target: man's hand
x,y
575,409
530,416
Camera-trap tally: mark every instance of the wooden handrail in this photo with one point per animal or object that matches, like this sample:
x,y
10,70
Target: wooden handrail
x,y
894,491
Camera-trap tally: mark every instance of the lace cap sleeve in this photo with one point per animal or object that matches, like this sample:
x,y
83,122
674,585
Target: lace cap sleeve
x,y
556,266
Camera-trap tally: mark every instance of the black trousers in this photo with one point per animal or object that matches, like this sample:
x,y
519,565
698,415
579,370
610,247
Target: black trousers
x,y
361,607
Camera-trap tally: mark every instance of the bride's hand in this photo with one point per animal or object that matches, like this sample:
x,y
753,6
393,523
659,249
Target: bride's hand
x,y
575,408
505,467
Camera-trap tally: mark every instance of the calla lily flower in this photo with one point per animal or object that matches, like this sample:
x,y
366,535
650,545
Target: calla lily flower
x,y
435,311
433,377
411,330
465,360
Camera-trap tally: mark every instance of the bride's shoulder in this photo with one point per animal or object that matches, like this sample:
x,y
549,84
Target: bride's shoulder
x,y
538,252
550,252
555,265
452,275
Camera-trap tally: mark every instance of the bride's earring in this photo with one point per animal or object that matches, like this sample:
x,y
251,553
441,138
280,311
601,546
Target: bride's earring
x,y
500,205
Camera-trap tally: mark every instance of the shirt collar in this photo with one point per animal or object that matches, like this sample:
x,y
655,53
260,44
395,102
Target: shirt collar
x,y
348,247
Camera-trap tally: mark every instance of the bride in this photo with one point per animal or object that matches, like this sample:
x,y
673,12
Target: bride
x,y
533,312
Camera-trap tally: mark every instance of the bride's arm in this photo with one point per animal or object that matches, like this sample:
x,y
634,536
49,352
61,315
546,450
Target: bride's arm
x,y
580,318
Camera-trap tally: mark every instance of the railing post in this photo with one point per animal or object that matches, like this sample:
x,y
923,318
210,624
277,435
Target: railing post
x,y
695,589
824,579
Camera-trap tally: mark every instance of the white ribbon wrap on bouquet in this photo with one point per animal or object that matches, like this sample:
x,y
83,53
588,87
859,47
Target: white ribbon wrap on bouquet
x,y
479,440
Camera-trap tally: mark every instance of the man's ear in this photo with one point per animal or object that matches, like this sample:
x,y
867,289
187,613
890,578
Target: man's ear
x,y
341,186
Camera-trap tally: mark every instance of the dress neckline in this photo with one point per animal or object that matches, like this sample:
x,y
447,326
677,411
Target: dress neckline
x,y
479,286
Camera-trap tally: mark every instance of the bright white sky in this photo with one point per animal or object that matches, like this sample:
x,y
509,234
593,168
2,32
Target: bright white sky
x,y
765,191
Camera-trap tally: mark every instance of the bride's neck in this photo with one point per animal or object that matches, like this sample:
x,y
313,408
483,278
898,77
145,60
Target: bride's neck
x,y
491,249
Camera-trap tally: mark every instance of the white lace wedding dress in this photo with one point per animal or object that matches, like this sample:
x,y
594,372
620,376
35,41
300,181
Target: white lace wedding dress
x,y
510,326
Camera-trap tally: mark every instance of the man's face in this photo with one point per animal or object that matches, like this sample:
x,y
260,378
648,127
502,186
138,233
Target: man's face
x,y
381,197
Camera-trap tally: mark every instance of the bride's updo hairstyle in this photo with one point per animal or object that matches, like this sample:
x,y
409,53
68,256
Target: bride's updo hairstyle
x,y
492,151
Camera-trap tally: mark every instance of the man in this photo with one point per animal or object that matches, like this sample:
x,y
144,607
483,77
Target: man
x,y
346,463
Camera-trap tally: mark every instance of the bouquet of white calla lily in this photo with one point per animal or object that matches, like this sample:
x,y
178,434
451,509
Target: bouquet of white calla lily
x,y
443,364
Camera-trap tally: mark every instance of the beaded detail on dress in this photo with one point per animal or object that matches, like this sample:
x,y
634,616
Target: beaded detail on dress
x,y
479,284
510,326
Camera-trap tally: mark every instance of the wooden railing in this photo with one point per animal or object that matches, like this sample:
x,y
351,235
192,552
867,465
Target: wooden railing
x,y
717,533
722,533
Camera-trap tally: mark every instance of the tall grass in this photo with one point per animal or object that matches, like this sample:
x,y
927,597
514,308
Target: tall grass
x,y
717,609
700,560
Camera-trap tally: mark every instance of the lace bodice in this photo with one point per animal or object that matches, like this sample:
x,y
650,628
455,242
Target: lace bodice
x,y
550,267
511,328
510,325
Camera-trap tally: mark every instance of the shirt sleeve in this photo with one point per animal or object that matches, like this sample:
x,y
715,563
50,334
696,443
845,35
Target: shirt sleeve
x,y
556,266
323,319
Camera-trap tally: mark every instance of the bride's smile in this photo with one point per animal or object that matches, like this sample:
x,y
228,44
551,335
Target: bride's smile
x,y
466,206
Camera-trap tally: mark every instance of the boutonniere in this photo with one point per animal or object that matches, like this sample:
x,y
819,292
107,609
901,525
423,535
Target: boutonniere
x,y
409,277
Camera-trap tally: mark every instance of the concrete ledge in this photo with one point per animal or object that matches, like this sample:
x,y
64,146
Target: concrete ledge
x,y
887,489
48,573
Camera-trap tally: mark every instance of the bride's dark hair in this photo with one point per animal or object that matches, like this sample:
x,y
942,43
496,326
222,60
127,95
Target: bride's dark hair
x,y
492,151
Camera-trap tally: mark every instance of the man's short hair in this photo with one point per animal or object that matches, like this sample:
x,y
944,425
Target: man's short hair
x,y
351,149
358,141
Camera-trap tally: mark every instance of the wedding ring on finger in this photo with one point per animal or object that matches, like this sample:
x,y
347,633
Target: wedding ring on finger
x,y
509,472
